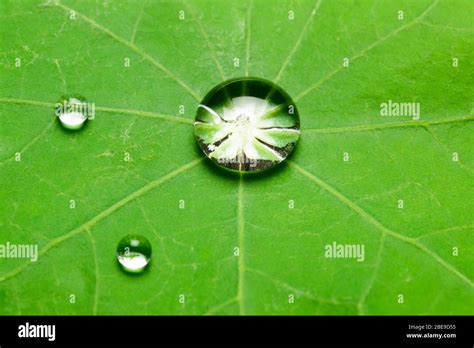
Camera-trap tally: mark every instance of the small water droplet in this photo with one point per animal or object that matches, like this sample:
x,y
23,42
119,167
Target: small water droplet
x,y
247,125
72,112
134,253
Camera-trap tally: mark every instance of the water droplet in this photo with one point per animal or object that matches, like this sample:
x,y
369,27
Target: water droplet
x,y
134,253
247,125
72,112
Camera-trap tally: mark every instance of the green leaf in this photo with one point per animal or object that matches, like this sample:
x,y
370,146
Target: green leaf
x,y
254,149
277,136
235,245
210,133
229,148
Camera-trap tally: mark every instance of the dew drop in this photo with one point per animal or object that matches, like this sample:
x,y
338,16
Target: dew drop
x,y
247,125
134,253
72,112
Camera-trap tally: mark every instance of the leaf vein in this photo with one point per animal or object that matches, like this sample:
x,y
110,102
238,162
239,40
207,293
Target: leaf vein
x,y
298,41
296,291
369,127
210,47
134,48
241,264
103,214
141,113
31,142
364,51
371,220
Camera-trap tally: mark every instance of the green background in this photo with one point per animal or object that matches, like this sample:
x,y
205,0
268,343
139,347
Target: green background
x,y
175,62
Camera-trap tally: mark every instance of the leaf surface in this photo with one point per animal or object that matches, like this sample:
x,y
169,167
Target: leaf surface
x,y
235,245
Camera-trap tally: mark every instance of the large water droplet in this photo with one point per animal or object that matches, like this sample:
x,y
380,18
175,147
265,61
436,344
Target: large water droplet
x,y
134,253
247,125
72,112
